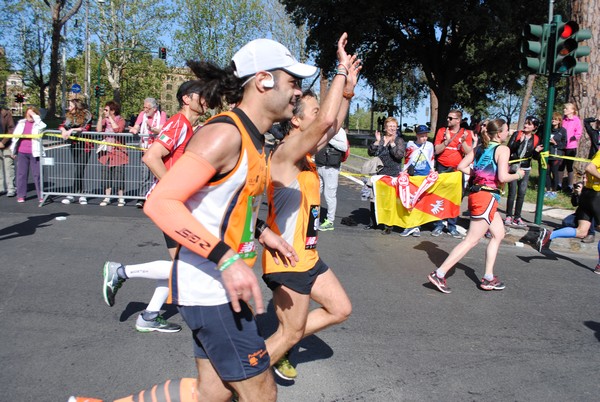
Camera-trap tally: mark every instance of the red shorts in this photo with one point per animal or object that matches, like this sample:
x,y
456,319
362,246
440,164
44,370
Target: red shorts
x,y
483,205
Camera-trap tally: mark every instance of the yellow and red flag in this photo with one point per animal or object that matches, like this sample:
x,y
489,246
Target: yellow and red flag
x,y
440,201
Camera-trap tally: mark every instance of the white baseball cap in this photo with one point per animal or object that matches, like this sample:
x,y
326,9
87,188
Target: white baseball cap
x,y
266,54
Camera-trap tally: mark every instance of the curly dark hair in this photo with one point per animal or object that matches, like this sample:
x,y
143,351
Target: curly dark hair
x,y
216,84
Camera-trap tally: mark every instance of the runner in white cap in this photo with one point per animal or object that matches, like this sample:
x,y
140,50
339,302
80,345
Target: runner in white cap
x,y
208,203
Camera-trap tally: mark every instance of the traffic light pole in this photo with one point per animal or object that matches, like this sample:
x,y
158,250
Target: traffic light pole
x,y
102,56
552,79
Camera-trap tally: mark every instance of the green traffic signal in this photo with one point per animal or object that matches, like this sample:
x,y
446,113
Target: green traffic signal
x,y
534,47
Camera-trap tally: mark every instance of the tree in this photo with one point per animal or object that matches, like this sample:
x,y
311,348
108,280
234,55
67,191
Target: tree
x,y
215,30
60,13
34,49
27,34
473,43
584,89
127,25
141,80
280,26
5,69
399,95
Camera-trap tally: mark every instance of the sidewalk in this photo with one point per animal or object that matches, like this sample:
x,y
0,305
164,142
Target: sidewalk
x,y
517,237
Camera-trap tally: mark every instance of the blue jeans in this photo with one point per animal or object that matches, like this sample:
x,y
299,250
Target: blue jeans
x,y
451,224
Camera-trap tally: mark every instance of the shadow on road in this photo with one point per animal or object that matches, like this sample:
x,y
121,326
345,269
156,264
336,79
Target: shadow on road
x,y
137,307
437,256
308,349
28,227
551,255
594,326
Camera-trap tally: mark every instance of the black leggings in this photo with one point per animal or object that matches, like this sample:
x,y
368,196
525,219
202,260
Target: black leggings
x,y
80,160
568,163
552,175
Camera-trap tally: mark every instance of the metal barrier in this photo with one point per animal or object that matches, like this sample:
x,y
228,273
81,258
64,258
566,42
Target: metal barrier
x,y
73,168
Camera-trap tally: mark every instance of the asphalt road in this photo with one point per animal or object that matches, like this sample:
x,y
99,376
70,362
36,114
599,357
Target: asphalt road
x,y
537,340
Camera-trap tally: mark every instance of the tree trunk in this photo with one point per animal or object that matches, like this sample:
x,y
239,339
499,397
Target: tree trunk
x,y
443,106
42,97
585,88
54,64
433,114
322,85
58,22
526,97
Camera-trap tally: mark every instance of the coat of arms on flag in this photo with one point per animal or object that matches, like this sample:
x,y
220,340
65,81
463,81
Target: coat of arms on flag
x,y
409,201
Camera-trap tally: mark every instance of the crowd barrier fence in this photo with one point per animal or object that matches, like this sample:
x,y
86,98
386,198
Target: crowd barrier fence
x,y
73,168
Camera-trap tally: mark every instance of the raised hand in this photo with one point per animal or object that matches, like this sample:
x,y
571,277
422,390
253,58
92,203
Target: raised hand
x,y
343,57
353,72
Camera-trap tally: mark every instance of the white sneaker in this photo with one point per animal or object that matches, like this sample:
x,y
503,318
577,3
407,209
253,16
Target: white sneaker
x,y
82,201
416,232
68,200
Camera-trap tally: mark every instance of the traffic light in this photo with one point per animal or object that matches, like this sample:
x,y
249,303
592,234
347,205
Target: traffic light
x,y
534,47
162,53
101,90
19,98
97,91
567,49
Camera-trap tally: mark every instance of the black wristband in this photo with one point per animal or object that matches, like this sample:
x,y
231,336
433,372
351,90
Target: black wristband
x,y
218,252
260,227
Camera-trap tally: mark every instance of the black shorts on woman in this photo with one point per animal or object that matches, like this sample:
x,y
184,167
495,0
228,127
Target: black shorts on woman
x,y
299,282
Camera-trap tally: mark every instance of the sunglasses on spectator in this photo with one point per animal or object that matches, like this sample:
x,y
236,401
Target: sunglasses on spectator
x,y
451,118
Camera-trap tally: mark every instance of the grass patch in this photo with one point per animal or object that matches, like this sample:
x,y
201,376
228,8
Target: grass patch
x,y
359,151
561,201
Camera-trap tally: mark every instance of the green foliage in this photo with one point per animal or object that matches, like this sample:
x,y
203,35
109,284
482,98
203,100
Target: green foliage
x,y
127,31
215,30
141,80
360,120
467,50
5,70
29,44
400,94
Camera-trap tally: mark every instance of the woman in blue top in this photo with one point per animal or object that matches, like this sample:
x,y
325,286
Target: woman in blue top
x,y
489,169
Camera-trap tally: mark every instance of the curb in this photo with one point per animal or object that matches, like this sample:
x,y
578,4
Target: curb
x,y
516,237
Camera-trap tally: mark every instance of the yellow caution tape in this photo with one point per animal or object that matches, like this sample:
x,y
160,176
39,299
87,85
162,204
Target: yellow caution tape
x,y
36,136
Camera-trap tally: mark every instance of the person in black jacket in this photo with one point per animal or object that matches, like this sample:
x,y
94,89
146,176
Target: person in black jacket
x,y
523,146
592,128
557,142
390,148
